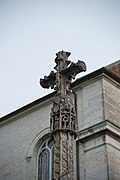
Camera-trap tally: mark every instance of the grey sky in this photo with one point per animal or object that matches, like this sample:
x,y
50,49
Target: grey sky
x,y
32,31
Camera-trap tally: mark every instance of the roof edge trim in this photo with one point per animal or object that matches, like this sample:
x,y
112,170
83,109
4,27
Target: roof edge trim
x,y
51,95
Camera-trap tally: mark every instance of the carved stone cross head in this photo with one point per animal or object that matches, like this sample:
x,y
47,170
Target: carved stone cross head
x,y
65,72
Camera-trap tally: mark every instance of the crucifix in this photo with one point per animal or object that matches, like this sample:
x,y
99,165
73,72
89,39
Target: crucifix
x,y
63,121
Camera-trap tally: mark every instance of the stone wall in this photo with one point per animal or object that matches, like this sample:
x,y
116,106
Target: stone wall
x,y
16,138
89,104
92,159
98,142
112,101
113,154
112,114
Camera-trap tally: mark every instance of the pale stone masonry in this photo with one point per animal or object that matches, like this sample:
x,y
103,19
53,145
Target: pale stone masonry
x,y
97,147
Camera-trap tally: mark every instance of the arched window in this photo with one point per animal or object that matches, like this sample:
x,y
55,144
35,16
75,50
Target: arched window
x,y
44,160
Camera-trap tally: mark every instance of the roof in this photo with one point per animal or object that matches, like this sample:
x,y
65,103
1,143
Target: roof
x,y
115,68
112,70
113,64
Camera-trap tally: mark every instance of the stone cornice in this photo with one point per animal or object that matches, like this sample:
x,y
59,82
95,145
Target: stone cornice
x,y
103,127
42,101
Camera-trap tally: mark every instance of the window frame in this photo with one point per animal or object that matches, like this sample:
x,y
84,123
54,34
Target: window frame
x,y
50,150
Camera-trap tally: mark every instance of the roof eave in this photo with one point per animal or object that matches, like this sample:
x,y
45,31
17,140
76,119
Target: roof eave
x,y
51,95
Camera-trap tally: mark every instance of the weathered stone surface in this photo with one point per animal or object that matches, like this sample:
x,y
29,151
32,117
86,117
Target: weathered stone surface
x,y
112,102
92,159
16,138
90,104
113,154
63,121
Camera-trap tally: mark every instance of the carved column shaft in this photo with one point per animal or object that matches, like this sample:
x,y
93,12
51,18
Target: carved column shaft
x,y
63,156
63,128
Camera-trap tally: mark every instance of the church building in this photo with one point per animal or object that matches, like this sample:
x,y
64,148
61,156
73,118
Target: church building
x,y
93,144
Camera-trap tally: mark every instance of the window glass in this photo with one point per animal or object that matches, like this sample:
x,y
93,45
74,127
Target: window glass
x,y
45,160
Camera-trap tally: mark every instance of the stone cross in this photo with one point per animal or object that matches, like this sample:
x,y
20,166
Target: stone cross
x,y
63,121
66,71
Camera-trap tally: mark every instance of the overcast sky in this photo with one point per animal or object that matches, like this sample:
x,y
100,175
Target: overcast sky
x,y
32,31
